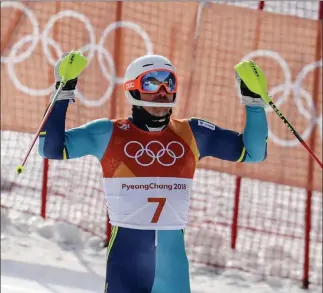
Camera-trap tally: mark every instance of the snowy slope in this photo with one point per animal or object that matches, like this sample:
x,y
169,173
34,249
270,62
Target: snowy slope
x,y
52,257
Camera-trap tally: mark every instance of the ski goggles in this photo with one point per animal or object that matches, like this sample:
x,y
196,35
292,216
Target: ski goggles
x,y
151,81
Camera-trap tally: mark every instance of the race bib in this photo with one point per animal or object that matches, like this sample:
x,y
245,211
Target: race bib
x,y
148,203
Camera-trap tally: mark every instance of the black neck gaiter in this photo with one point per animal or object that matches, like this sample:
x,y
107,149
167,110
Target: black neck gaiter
x,y
143,119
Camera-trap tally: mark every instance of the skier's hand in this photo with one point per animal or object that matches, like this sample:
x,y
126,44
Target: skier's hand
x,y
248,97
67,92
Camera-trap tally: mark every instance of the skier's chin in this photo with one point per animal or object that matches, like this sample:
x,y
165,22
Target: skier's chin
x,y
157,111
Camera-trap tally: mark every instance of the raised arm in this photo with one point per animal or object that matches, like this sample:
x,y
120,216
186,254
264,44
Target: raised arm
x,y
89,139
249,146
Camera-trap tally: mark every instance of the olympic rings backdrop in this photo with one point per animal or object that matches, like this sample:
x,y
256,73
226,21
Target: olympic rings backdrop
x,y
204,46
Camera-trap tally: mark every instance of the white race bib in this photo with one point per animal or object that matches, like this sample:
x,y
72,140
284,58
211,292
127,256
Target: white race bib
x,y
148,203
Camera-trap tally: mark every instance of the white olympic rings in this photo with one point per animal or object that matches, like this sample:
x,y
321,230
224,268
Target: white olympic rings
x,y
298,92
92,47
146,150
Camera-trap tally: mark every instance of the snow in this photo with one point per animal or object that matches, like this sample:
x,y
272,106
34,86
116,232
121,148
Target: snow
x,y
45,256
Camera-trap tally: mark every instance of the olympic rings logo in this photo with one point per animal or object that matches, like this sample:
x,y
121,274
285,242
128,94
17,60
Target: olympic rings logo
x,y
297,90
163,151
46,41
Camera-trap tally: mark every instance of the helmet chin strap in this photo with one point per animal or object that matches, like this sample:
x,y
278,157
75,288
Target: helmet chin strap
x,y
143,119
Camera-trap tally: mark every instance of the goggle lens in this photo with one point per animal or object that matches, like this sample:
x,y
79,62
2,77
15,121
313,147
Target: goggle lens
x,y
152,81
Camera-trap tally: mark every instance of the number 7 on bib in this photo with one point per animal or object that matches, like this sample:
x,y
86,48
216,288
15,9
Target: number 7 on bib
x,y
161,203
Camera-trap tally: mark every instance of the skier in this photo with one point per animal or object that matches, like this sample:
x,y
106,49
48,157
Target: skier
x,y
148,162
